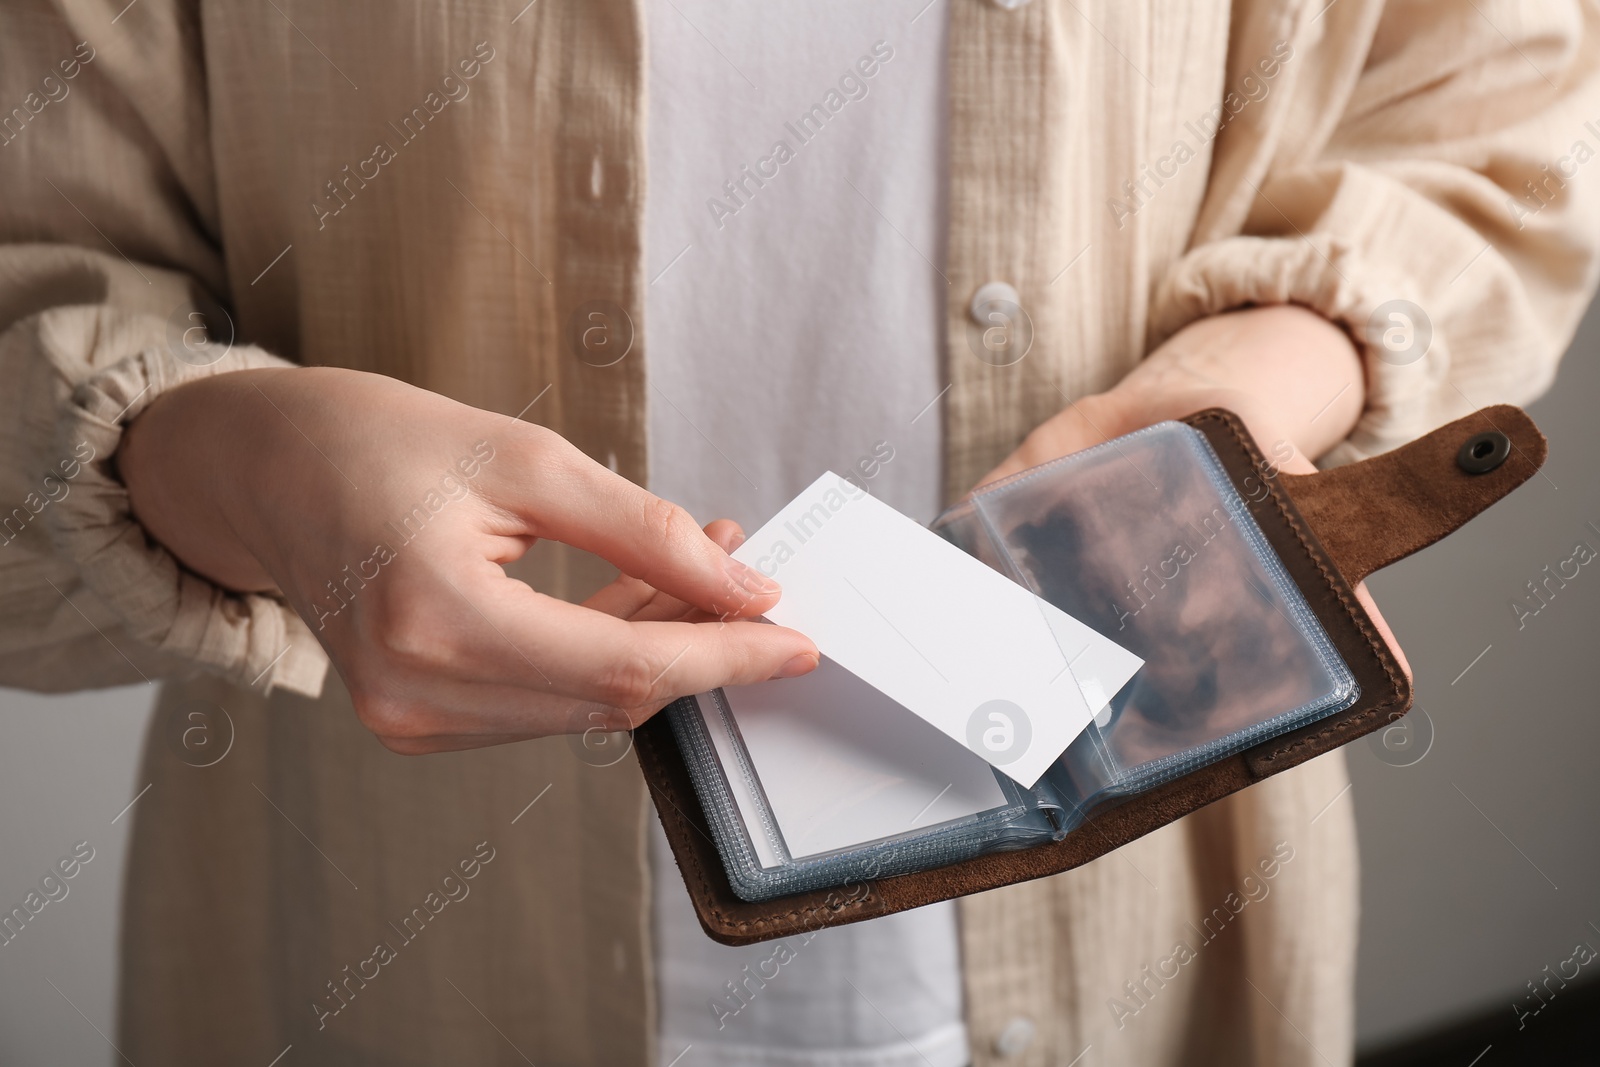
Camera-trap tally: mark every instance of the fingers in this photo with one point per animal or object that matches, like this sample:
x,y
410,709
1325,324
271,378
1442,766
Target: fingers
x,y
1013,464
427,746
633,600
725,534
422,712
594,657
511,678
625,597
1071,430
566,496
1363,595
637,601
466,656
436,714
663,608
501,631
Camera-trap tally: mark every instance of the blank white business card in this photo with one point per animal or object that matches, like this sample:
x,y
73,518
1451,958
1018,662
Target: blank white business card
x,y
840,764
978,656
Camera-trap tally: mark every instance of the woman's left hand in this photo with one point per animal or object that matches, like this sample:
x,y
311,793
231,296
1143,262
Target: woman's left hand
x,y
1294,378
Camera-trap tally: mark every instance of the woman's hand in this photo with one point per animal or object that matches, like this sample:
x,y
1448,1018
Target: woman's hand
x,y
383,513
1293,377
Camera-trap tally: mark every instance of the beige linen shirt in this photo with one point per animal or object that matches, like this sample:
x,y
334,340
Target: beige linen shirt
x,y
439,191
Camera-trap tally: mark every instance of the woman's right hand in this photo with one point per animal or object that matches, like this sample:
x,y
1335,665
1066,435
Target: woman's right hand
x,y
383,514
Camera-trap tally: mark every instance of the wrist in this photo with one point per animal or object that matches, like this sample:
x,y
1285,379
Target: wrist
x,y
183,461
1292,376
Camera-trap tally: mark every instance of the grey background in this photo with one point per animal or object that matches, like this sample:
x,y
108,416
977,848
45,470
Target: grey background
x,y
1479,862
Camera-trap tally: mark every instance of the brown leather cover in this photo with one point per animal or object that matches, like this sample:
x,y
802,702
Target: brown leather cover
x,y
1330,529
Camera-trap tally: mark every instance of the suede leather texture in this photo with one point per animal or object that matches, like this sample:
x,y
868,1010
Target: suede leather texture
x,y
1330,529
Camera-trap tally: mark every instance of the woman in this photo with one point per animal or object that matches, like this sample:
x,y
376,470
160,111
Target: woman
x,y
979,235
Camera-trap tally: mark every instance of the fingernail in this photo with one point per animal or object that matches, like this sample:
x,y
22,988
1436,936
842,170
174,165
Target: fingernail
x,y
751,580
736,540
804,663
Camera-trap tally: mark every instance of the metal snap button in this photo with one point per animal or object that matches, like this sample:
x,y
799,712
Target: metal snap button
x,y
1483,452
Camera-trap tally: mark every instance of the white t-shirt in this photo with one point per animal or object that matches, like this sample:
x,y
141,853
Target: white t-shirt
x,y
794,218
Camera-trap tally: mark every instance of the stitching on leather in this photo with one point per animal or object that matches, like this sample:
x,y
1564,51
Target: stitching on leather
x,y
1374,641
726,921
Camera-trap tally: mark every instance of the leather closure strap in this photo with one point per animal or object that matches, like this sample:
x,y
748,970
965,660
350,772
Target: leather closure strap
x,y
1370,514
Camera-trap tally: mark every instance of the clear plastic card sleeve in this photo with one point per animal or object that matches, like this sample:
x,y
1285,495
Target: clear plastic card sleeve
x,y
1145,540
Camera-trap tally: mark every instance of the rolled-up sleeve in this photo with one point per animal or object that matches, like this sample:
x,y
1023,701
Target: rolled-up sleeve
x,y
1446,212
109,270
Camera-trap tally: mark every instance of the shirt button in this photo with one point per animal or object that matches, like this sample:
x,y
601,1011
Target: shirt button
x,y
991,293
1016,1037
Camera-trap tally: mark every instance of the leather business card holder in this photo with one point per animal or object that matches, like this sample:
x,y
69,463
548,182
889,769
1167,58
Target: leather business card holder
x,y
1328,531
